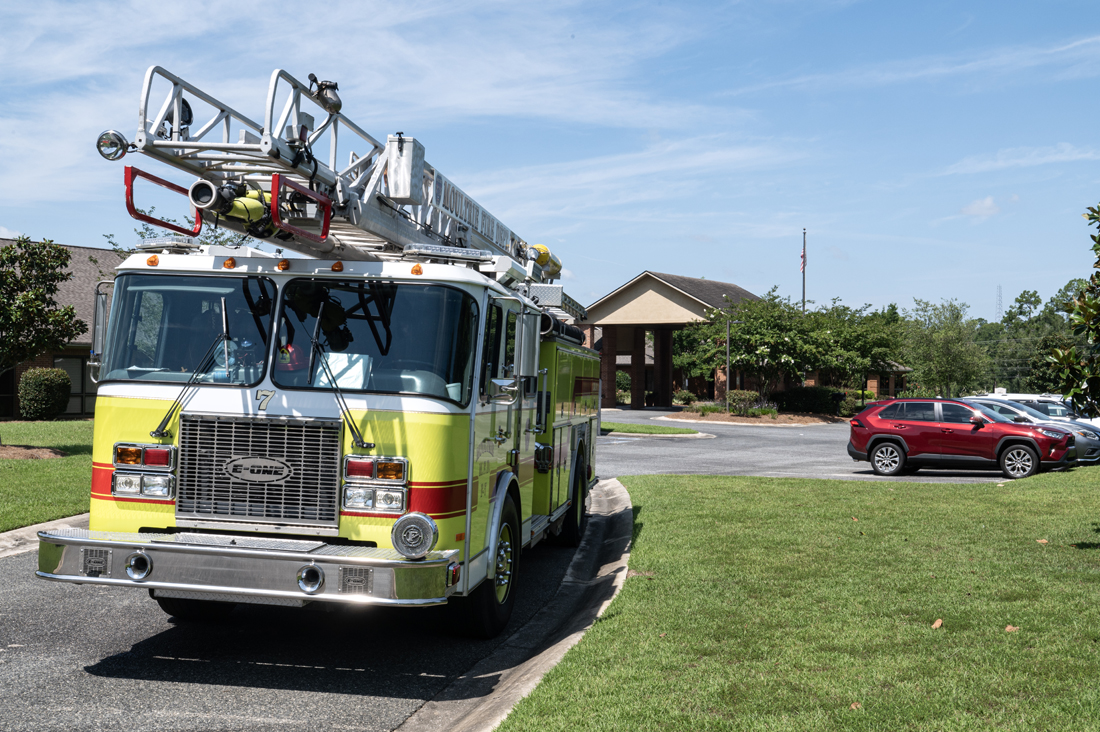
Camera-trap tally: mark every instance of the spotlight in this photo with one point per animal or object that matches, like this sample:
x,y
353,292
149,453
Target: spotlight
x,y
112,145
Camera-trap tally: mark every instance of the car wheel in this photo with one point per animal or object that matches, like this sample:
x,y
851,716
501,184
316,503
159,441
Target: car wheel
x,y
1019,461
887,459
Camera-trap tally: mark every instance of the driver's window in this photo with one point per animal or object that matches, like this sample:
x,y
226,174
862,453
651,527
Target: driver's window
x,y
956,413
490,351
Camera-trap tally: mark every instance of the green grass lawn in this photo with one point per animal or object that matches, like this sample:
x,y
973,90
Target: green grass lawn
x,y
33,491
778,604
645,429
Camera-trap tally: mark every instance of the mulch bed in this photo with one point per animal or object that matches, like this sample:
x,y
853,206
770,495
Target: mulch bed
x,y
27,452
793,418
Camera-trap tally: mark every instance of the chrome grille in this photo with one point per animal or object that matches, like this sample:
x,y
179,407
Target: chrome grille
x,y
309,495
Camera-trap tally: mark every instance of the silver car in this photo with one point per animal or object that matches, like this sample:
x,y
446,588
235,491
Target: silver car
x,y
1088,438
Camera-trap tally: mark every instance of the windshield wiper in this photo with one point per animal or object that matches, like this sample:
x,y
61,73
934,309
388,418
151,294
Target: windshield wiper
x,y
200,369
341,403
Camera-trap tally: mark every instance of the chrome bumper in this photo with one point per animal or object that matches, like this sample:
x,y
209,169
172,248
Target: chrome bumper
x,y
244,568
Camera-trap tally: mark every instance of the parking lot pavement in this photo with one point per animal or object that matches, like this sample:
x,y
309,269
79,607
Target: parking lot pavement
x,y
106,658
810,451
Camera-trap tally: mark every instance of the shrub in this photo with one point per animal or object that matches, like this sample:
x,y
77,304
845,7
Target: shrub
x,y
740,399
917,393
704,409
622,381
816,399
44,393
622,397
683,396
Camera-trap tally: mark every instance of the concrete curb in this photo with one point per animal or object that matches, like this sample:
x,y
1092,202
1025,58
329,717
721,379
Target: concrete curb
x,y
480,699
696,436
25,539
745,424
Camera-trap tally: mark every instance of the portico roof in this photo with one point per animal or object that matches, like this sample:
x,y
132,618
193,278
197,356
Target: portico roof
x,y
655,298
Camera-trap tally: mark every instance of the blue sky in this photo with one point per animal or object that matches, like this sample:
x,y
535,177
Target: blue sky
x,y
932,149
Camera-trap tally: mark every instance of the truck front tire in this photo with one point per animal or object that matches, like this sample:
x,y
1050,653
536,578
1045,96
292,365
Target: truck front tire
x,y
487,610
576,520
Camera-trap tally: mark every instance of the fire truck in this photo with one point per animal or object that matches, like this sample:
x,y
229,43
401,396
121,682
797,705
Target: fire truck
x,y
388,418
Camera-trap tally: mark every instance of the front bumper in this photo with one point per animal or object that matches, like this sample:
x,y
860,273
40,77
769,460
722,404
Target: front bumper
x,y
245,568
1068,460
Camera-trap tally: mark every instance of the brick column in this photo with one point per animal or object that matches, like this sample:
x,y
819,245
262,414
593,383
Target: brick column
x,y
662,367
637,369
607,366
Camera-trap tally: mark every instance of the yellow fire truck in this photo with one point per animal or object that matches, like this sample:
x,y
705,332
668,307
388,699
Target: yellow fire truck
x,y
387,420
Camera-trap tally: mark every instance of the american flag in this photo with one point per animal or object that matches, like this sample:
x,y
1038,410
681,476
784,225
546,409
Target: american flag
x,y
802,268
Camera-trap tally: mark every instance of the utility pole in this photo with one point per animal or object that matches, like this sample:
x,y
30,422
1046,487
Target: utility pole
x,y
803,270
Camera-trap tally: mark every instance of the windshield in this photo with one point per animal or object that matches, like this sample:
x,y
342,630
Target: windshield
x,y
379,337
992,414
163,325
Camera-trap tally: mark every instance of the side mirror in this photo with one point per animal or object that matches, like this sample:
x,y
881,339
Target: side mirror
x,y
976,419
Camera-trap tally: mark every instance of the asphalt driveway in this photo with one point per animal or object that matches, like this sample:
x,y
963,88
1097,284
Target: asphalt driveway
x,y
809,451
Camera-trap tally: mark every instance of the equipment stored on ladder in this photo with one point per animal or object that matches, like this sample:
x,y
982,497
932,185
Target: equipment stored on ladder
x,y
266,181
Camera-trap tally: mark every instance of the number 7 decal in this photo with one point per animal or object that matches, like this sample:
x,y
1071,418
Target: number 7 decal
x,y
265,396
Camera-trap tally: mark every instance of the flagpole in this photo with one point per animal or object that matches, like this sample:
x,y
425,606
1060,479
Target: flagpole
x,y
803,270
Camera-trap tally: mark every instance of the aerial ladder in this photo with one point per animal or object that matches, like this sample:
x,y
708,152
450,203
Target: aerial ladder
x,y
273,181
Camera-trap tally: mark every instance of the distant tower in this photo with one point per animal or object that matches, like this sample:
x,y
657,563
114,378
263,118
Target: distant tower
x,y
1000,308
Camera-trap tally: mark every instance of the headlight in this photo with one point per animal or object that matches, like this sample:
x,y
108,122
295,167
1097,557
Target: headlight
x,y
159,486
126,484
1051,433
358,497
389,500
1088,435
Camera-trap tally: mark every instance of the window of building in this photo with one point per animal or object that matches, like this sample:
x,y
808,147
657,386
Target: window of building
x,y
82,394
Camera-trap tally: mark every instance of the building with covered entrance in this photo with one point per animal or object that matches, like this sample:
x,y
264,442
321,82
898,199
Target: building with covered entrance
x,y
656,303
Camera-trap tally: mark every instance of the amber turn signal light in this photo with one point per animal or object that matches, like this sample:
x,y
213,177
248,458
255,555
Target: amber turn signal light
x,y
337,266
283,265
229,263
389,470
128,455
153,261
417,269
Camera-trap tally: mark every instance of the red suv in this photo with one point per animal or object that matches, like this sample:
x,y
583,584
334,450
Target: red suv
x,y
904,435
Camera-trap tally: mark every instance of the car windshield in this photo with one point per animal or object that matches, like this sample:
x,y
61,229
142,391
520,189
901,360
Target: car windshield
x,y
162,327
1049,409
1029,411
987,412
378,337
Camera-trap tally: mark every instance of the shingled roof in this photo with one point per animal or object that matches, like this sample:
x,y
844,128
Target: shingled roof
x,y
709,291
89,265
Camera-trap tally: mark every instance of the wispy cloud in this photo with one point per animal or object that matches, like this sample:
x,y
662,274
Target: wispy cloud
x,y
6,233
615,186
1069,59
982,208
1022,157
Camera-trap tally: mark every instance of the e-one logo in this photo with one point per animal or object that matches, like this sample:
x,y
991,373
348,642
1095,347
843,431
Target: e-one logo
x,y
258,469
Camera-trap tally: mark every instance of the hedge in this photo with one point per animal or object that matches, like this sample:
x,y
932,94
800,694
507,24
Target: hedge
x,y
44,393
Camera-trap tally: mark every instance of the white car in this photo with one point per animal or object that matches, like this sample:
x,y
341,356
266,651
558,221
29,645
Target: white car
x,y
1051,405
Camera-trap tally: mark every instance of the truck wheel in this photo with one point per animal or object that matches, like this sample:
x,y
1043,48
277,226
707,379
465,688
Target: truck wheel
x,y
195,611
1019,461
486,611
887,459
576,521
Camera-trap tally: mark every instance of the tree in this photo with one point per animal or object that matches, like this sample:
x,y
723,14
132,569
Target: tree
x,y
940,346
30,320
849,343
1079,365
210,235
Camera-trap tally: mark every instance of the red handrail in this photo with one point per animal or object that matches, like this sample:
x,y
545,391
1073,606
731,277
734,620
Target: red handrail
x,y
277,183
131,174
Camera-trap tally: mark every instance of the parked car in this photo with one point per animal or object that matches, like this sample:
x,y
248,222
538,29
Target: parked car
x,y
1051,405
904,435
1088,439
